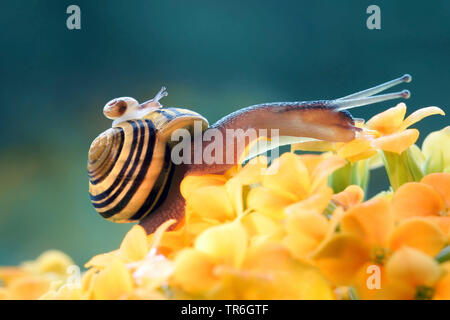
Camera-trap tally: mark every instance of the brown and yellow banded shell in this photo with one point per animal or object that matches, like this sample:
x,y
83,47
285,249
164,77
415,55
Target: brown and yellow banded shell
x,y
129,165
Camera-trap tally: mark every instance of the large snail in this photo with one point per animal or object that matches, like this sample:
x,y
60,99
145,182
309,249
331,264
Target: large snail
x,y
131,174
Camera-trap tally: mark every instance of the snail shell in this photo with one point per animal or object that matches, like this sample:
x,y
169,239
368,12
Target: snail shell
x,y
129,165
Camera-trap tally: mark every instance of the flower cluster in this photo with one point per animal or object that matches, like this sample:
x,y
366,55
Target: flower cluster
x,y
297,228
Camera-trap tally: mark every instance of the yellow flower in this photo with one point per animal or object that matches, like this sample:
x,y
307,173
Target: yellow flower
x,y
214,199
307,227
429,198
365,230
436,149
392,127
197,269
135,269
358,149
113,282
222,265
367,237
291,179
34,278
442,287
351,196
412,274
270,272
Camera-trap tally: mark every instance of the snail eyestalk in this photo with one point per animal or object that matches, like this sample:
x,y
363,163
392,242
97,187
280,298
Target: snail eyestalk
x,y
406,78
154,103
161,94
353,103
368,96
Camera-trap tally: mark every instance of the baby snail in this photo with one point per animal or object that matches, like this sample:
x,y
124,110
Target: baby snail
x,y
133,178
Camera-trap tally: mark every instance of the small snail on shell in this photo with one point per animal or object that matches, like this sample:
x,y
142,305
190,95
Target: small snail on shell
x,y
131,174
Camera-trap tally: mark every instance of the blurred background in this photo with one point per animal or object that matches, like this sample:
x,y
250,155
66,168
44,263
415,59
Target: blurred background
x,y
214,57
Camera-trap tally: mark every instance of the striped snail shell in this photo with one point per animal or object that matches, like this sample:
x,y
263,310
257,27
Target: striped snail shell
x,y
129,165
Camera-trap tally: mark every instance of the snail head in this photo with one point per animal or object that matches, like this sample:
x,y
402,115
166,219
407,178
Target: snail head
x,y
127,108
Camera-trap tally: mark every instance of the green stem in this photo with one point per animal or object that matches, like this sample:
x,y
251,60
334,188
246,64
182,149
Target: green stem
x,y
444,255
401,168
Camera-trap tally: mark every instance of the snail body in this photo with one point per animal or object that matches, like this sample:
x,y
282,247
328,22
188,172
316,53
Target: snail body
x,y
131,173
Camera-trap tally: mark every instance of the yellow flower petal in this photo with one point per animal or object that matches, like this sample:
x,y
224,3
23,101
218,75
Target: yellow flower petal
x,y
389,121
225,244
155,238
372,221
258,224
397,142
413,268
288,176
305,231
134,246
324,169
235,189
357,149
350,196
54,261
419,234
10,274
311,161
436,147
212,202
252,172
443,223
101,261
414,199
174,241
4,294
341,257
196,224
87,283
363,155
441,183
271,273
191,182
268,202
152,272
65,292
442,288
418,115
194,271
29,288
112,282
317,202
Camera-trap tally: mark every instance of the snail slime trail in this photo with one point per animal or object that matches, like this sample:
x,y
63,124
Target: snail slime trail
x,y
135,167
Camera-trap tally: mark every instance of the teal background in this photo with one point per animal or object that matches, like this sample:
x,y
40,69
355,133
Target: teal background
x,y
214,57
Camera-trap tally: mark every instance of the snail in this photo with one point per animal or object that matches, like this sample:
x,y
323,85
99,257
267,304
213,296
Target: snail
x,y
133,178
